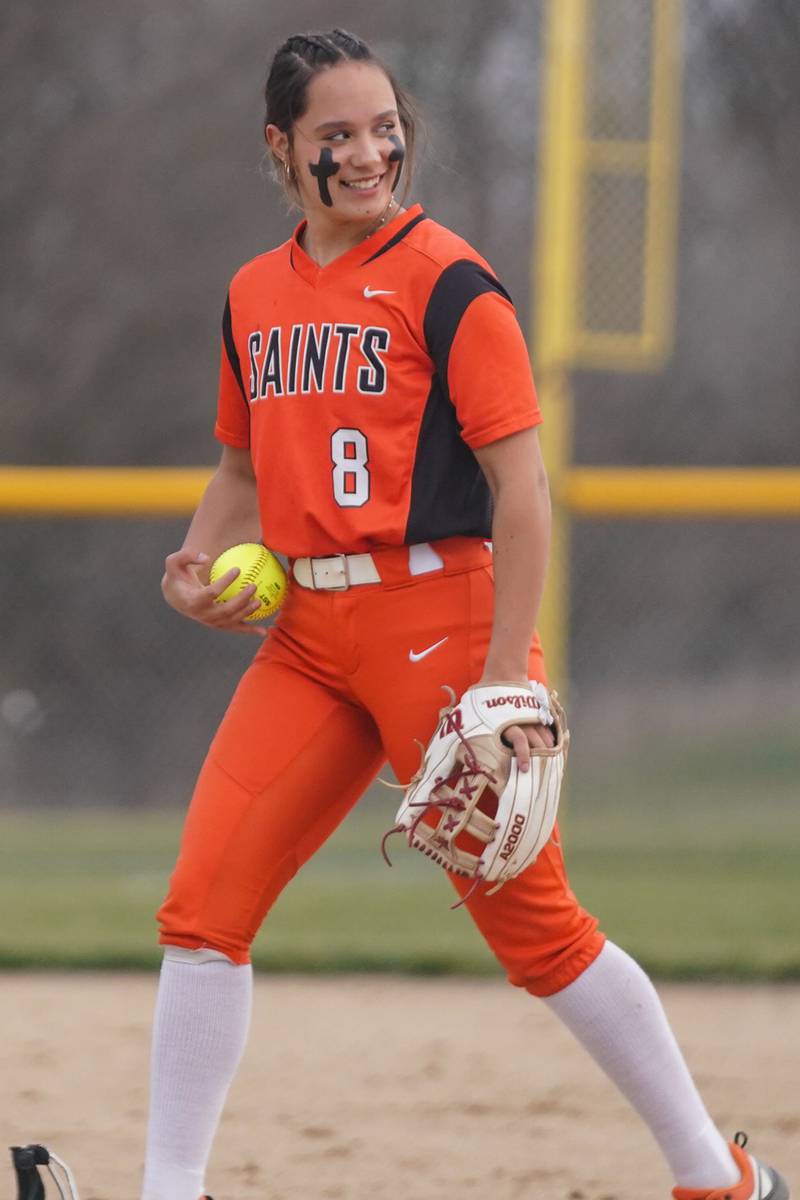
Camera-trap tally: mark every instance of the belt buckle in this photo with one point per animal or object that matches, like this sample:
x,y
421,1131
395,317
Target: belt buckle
x,y
345,571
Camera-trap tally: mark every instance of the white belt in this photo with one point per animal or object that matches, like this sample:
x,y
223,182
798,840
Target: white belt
x,y
337,572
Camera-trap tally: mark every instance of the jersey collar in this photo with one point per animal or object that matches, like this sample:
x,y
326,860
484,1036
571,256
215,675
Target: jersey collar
x,y
393,230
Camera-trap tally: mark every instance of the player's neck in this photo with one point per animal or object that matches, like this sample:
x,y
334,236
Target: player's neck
x,y
325,241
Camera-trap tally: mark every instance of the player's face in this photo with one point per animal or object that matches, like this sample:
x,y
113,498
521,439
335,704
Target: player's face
x,y
343,144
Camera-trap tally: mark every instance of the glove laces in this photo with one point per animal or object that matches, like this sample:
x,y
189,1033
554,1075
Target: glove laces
x,y
470,768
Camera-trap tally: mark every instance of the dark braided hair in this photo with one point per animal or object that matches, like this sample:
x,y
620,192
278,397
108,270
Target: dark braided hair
x,y
297,61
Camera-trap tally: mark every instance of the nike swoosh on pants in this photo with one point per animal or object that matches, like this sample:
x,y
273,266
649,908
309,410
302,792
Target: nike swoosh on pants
x,y
429,650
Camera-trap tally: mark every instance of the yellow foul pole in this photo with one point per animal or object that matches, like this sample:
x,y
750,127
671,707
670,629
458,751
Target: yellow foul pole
x,y
554,279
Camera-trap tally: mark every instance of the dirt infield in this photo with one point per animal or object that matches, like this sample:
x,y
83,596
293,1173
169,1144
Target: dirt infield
x,y
376,1088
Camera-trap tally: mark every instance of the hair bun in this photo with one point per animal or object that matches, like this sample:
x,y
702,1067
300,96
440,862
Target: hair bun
x,y
350,40
325,45
311,45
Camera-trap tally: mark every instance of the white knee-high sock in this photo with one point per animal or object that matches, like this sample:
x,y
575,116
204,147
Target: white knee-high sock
x,y
615,1013
201,1025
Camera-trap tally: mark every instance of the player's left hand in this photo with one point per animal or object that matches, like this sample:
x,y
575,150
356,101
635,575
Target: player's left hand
x,y
523,740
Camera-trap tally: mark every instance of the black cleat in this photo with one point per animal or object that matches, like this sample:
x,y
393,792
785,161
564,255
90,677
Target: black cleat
x,y
27,1160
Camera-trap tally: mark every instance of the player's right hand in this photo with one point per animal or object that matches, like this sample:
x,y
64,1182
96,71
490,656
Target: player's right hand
x,y
186,592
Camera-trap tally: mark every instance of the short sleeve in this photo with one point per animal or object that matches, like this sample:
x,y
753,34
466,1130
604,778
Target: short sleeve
x,y
477,345
233,412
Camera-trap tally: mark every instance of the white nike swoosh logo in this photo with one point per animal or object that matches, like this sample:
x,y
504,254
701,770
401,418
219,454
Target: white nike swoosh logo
x,y
370,292
424,653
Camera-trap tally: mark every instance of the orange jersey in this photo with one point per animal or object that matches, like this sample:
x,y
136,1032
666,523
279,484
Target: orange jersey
x,y
362,388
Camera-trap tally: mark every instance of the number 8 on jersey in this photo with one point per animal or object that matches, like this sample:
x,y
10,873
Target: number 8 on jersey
x,y
350,474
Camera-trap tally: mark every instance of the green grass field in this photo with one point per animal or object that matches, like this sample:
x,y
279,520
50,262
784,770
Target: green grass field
x,y
682,867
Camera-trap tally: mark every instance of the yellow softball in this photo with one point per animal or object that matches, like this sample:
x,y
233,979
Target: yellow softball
x,y
256,565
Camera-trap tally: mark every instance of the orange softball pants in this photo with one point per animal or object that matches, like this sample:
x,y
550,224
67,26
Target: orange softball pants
x,y
333,693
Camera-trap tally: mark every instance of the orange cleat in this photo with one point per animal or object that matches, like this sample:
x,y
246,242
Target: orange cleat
x,y
757,1183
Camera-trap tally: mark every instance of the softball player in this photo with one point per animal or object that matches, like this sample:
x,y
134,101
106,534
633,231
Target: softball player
x,y
378,423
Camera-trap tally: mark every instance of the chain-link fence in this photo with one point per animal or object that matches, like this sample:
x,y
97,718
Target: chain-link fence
x,y
131,194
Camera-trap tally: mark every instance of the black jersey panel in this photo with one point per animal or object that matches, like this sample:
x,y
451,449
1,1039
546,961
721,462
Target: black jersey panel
x,y
230,346
449,493
457,286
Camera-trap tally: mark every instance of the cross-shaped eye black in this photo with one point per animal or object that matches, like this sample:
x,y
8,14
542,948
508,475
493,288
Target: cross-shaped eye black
x,y
397,156
322,172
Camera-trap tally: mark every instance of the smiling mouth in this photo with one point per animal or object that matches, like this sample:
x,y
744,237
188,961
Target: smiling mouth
x,y
362,185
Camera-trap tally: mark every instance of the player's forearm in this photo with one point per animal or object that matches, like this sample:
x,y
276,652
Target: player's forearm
x,y
226,515
521,537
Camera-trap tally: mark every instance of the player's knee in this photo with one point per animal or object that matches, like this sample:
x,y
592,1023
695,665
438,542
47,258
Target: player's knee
x,y
186,925
547,973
